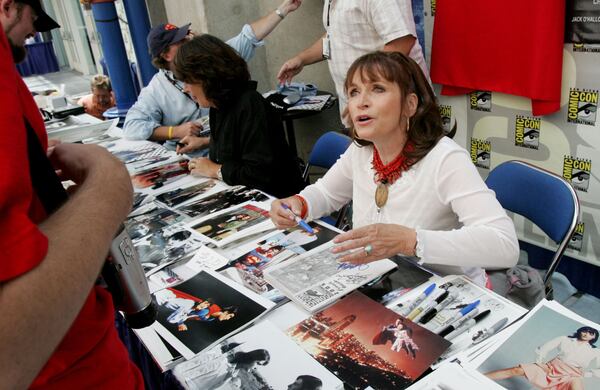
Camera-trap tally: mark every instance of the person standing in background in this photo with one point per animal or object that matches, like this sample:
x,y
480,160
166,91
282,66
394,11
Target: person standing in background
x,y
354,28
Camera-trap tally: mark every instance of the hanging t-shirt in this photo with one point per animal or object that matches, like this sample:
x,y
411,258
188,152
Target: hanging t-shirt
x,y
509,46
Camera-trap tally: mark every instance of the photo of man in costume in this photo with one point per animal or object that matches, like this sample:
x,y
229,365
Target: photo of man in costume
x,y
187,307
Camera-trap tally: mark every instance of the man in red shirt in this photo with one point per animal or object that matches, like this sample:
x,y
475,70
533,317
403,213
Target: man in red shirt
x,y
56,328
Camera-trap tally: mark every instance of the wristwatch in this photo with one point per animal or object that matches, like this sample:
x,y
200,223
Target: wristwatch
x,y
279,13
219,174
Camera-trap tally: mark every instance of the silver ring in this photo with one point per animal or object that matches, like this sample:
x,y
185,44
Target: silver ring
x,y
368,249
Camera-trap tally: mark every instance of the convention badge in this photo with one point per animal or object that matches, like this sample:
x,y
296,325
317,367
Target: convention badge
x,y
326,47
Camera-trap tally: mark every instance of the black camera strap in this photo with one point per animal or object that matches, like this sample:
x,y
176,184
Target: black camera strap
x,y
44,180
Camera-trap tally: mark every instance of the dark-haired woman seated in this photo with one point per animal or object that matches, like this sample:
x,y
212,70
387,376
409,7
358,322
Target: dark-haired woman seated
x,y
247,144
414,191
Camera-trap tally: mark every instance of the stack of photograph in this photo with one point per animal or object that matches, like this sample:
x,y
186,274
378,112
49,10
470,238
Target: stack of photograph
x,y
242,305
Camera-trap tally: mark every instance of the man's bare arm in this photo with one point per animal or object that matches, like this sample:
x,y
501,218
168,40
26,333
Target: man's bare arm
x,y
263,26
403,44
308,56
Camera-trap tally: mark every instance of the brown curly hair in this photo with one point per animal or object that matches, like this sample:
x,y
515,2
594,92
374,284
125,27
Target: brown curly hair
x,y
210,62
426,124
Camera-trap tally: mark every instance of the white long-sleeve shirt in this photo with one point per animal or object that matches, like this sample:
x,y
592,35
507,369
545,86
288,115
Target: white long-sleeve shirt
x,y
572,352
460,225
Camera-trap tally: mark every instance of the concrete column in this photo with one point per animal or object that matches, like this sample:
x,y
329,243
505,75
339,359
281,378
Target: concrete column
x,y
115,55
139,27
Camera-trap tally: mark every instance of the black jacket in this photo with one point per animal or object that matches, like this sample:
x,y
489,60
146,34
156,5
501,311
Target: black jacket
x,y
247,138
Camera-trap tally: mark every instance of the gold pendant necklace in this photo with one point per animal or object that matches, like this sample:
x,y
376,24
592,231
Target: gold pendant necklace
x,y
381,194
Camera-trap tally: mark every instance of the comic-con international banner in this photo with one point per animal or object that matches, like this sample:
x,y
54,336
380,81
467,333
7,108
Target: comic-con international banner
x,y
495,128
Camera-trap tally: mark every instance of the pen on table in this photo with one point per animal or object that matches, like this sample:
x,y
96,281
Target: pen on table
x,y
418,299
463,312
492,330
432,300
431,313
449,328
467,324
302,223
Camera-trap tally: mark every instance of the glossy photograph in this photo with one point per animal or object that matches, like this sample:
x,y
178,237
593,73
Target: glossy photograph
x,y
205,309
366,344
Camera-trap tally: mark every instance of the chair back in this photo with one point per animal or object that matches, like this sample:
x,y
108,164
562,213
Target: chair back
x,y
326,151
544,198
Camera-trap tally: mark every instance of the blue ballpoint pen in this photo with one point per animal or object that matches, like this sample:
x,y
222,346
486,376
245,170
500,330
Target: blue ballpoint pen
x,y
302,223
463,312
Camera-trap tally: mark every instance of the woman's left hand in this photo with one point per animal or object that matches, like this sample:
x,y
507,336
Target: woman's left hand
x,y
375,242
203,166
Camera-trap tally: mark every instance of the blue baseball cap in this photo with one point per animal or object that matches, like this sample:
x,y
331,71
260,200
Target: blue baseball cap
x,y
163,35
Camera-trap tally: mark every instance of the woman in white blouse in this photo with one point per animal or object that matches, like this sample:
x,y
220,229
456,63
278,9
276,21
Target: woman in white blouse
x,y
565,371
414,191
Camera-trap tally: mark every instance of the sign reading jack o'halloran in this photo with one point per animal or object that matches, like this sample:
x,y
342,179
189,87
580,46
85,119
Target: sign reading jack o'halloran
x,y
577,171
481,153
582,106
527,132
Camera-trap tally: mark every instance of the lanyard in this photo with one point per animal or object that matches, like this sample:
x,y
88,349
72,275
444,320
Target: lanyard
x,y
328,12
179,88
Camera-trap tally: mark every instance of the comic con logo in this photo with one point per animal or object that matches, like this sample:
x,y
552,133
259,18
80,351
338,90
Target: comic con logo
x,y
527,132
583,48
577,239
582,106
446,114
481,153
433,7
578,172
481,100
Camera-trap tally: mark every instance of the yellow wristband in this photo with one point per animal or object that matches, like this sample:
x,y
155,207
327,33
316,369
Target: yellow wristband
x,y
170,135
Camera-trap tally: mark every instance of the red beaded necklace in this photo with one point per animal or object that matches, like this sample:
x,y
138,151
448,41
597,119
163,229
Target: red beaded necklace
x,y
387,174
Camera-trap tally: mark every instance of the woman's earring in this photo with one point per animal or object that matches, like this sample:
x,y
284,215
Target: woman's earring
x,y
407,124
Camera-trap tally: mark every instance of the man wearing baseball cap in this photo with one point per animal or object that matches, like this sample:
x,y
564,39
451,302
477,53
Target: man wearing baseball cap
x,y
57,326
17,33
163,111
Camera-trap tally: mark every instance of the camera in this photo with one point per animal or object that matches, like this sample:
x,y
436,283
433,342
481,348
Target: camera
x,y
126,281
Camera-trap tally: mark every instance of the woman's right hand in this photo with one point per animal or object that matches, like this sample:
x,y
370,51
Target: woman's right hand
x,y
282,218
187,128
191,143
